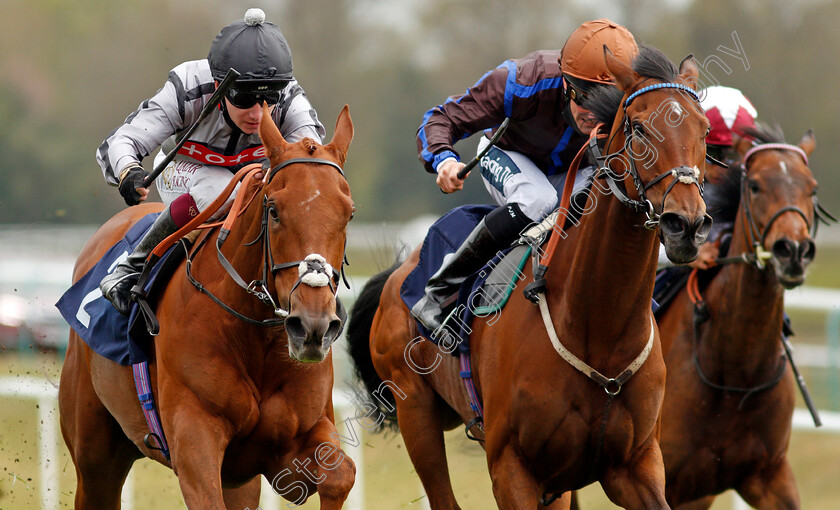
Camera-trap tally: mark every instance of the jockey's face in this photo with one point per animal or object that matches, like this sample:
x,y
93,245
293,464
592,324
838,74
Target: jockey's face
x,y
246,119
583,117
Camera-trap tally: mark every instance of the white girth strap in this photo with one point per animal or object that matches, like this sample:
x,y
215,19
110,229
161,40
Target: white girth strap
x,y
611,385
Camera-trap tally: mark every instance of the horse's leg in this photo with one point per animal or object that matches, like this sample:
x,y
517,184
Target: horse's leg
x,y
198,442
314,462
775,489
514,487
100,451
697,504
335,471
246,496
640,483
421,426
564,502
420,414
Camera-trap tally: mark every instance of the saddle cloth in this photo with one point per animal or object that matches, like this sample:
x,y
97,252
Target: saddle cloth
x,y
93,317
482,294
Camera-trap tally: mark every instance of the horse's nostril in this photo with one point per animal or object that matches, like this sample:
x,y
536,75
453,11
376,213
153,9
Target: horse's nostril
x,y
333,330
807,251
672,224
784,249
702,227
294,328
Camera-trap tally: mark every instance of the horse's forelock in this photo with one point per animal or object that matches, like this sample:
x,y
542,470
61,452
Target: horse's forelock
x,y
310,145
764,133
652,63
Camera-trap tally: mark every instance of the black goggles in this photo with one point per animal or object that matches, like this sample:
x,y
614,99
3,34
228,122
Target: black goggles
x,y
575,92
245,99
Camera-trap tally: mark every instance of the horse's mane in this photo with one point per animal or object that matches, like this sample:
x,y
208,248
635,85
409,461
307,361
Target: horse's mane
x,y
763,133
604,100
723,204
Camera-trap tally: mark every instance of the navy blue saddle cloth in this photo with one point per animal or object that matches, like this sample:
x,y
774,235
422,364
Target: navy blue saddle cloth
x,y
109,333
444,238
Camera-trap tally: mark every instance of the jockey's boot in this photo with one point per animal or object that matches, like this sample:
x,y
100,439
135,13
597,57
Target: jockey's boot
x,y
116,287
496,231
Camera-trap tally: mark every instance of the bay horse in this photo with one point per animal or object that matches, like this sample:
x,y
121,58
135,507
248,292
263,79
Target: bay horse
x,y
726,420
240,394
548,429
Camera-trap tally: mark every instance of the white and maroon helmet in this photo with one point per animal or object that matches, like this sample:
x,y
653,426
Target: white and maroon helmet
x,y
728,111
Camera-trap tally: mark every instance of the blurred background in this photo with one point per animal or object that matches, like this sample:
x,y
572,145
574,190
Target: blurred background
x,y
70,72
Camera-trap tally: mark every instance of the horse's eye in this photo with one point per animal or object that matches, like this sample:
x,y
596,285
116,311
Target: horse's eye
x,y
708,130
272,211
754,187
814,191
353,212
638,128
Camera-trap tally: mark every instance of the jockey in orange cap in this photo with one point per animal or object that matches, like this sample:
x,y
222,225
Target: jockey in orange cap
x,y
524,170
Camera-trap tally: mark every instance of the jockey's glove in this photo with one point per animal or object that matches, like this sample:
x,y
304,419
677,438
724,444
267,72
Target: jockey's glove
x,y
131,177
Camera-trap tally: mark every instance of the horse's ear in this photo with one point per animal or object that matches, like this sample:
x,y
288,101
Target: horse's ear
x,y
271,138
343,133
808,142
624,75
741,145
688,71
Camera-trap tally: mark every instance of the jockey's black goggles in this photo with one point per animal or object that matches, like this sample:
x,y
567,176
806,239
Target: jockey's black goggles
x,y
246,96
575,90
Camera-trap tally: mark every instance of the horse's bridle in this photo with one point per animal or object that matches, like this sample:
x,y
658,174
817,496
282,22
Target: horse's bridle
x,y
313,270
755,236
681,174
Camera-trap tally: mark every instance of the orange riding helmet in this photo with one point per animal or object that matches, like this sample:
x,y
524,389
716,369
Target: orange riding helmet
x,y
582,56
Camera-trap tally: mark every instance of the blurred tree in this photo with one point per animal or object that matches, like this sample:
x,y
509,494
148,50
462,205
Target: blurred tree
x,y
93,61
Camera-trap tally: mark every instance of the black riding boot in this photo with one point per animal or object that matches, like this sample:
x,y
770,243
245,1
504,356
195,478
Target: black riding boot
x,y
493,233
116,286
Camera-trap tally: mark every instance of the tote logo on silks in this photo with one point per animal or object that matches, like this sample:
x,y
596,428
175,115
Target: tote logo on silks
x,y
204,154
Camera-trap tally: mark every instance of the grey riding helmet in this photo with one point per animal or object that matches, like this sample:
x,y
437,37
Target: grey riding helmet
x,y
256,49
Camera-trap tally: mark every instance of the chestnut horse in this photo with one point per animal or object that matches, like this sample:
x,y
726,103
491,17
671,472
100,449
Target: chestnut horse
x,y
238,395
548,428
729,394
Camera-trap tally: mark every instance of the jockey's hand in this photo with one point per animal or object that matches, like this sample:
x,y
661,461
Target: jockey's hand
x,y
131,184
447,177
705,256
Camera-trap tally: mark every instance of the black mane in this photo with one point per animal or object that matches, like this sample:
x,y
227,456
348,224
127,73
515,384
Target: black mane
x,y
723,203
605,100
652,63
723,200
763,133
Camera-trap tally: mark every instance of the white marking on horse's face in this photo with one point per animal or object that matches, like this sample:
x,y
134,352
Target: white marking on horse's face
x,y
678,111
313,197
784,167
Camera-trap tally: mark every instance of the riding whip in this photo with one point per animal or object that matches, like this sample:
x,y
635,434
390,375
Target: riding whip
x,y
214,100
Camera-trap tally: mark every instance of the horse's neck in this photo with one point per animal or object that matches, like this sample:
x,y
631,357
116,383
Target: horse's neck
x,y
605,271
747,306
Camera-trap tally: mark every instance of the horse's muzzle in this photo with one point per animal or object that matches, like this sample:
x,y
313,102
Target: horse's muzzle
x,y
683,236
311,335
791,258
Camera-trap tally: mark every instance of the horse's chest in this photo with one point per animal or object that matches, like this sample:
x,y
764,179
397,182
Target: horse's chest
x,y
281,418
